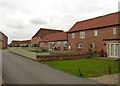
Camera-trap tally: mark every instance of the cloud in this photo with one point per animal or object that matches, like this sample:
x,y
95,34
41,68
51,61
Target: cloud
x,y
21,19
16,24
38,21
13,6
119,6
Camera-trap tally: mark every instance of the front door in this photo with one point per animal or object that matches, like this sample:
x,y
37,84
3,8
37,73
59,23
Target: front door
x,y
113,49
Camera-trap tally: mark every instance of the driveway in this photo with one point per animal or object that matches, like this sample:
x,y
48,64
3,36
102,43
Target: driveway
x,y
20,70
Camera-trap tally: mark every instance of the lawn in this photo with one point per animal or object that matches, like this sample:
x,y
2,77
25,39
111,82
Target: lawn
x,y
3,48
90,67
38,51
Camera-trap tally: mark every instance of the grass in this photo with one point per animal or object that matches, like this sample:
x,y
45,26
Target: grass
x,y
39,51
3,48
90,67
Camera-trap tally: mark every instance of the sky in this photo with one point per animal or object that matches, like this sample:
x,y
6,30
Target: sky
x,y
21,19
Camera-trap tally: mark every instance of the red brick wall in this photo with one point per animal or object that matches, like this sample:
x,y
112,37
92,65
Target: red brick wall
x,y
3,41
103,33
35,40
41,34
119,32
46,46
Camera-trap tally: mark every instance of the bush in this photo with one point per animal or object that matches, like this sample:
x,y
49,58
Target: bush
x,y
102,53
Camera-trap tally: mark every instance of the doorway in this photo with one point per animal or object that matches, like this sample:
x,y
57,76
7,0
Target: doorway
x,y
113,49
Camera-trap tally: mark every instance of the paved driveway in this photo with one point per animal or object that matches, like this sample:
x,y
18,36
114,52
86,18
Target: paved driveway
x,y
20,70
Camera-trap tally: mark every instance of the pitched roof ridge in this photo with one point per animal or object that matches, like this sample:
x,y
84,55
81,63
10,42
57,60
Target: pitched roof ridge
x,y
97,17
101,21
3,34
55,33
49,29
59,36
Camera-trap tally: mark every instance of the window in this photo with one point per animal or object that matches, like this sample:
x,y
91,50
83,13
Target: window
x,y
65,43
16,44
59,44
41,44
82,34
114,31
51,45
68,34
95,33
73,35
79,45
91,46
37,45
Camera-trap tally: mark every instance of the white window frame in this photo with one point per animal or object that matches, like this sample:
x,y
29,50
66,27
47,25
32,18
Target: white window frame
x,y
93,45
65,42
82,34
114,31
49,45
95,33
41,44
73,35
114,50
59,44
79,46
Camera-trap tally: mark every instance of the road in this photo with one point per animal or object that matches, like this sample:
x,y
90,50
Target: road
x,y
20,70
0,67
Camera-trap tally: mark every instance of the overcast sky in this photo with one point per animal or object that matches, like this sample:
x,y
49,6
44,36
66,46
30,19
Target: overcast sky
x,y
21,19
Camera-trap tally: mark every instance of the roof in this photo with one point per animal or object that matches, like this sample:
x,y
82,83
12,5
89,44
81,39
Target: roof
x,y
43,32
61,36
3,34
101,21
20,42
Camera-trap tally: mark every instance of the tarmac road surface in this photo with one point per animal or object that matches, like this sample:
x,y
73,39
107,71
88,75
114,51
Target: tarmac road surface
x,y
20,70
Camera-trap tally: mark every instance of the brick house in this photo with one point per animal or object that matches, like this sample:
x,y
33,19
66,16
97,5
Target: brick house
x,y
24,43
40,34
58,40
96,34
3,40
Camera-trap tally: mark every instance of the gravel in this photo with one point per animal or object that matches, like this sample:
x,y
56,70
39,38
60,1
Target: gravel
x,y
107,79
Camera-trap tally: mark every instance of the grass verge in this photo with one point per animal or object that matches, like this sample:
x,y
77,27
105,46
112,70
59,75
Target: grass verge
x,y
38,51
3,48
90,67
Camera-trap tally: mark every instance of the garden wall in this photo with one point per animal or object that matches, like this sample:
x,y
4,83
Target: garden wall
x,y
48,56
69,57
26,53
